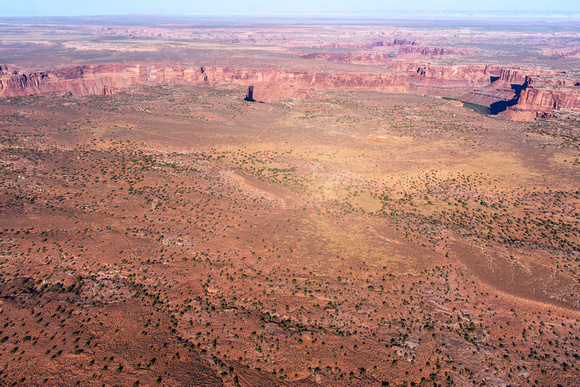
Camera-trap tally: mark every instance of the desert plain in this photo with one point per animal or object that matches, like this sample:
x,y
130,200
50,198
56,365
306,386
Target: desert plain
x,y
292,202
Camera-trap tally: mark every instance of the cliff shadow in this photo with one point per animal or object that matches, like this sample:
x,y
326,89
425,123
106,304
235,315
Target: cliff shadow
x,y
501,106
250,94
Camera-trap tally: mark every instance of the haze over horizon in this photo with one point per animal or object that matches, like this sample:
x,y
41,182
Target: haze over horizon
x,y
28,8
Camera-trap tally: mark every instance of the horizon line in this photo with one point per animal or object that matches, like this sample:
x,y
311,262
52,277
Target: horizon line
x,y
367,14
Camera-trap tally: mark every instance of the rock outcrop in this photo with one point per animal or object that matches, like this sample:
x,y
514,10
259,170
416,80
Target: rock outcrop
x,y
540,103
372,58
566,53
84,80
369,46
546,99
269,84
381,57
510,89
472,76
511,76
250,94
537,96
426,52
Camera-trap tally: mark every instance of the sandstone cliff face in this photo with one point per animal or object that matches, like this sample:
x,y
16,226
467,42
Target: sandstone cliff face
x,y
527,97
537,95
473,76
546,100
504,86
269,84
471,83
489,95
349,57
554,79
273,84
512,76
368,46
381,57
96,79
534,103
426,52
567,53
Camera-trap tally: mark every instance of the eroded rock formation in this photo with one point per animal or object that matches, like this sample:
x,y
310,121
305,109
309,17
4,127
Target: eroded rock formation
x,y
250,94
368,46
351,57
427,52
269,84
512,89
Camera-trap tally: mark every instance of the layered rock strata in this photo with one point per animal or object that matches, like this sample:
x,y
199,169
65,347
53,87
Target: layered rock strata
x,y
511,89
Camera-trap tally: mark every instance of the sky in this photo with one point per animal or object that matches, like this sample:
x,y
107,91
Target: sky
x,y
249,7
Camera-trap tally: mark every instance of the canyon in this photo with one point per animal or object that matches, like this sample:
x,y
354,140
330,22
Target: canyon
x,y
533,95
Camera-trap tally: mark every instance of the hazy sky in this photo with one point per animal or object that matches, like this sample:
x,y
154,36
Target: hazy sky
x,y
226,7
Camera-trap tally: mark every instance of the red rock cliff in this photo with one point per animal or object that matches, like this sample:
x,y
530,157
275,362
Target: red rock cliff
x,y
271,84
97,79
547,99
